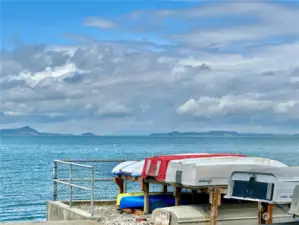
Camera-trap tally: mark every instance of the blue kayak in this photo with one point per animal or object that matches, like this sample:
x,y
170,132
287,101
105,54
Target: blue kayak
x,y
137,202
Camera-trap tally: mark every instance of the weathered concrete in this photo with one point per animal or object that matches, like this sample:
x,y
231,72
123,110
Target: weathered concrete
x,y
78,222
58,211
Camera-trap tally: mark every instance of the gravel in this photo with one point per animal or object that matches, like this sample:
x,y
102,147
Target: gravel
x,y
108,215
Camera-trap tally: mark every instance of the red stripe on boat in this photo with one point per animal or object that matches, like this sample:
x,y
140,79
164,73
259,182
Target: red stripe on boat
x,y
156,166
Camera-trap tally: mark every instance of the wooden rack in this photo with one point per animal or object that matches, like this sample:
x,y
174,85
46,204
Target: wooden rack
x,y
214,193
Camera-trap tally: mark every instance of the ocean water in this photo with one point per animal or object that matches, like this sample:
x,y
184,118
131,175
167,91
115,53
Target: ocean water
x,y
26,162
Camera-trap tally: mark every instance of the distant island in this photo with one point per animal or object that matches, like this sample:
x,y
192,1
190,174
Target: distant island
x,y
28,131
88,134
217,134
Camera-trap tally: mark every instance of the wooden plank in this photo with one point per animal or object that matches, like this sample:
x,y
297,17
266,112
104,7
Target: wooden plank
x,y
269,214
177,195
142,186
120,184
153,181
146,207
265,213
215,201
260,212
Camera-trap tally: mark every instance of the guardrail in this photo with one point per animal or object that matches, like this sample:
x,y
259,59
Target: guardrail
x,y
78,174
69,182
80,181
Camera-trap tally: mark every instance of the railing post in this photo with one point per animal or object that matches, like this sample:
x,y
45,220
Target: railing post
x,y
54,182
71,188
92,193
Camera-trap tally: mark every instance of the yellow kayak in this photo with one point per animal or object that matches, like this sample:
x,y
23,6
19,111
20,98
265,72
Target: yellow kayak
x,y
120,196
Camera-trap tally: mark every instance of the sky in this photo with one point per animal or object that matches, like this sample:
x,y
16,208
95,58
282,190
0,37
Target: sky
x,y
136,67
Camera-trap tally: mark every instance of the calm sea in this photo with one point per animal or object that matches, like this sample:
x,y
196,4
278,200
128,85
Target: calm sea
x,y
26,162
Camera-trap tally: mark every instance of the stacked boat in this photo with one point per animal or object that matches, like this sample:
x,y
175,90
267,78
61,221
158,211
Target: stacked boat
x,y
213,171
193,170
190,170
128,168
157,166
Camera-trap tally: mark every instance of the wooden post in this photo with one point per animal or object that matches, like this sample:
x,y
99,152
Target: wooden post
x,y
260,212
215,201
142,185
164,188
270,213
177,196
120,184
194,194
265,212
146,207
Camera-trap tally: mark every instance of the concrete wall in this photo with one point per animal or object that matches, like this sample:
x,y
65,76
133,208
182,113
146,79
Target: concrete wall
x,y
57,211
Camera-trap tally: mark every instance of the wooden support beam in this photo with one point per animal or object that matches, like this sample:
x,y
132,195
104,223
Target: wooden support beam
x,y
177,195
215,201
260,212
120,184
142,185
265,213
270,214
164,188
146,207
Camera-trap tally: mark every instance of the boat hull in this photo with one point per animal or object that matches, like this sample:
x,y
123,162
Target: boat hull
x,y
157,166
213,171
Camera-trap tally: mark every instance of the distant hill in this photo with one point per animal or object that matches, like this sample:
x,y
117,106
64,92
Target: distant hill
x,y
22,131
88,134
27,131
212,134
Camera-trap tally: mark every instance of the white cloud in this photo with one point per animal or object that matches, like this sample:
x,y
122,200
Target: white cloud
x,y
129,85
98,22
113,108
262,26
237,105
148,85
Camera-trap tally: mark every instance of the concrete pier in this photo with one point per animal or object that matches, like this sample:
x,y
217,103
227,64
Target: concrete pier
x,y
78,222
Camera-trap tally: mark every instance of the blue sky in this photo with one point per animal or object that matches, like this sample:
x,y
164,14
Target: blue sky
x,y
135,67
54,19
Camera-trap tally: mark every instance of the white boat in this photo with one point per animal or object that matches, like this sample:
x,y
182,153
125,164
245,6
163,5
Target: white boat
x,y
133,170
176,166
216,171
230,214
271,185
294,210
117,169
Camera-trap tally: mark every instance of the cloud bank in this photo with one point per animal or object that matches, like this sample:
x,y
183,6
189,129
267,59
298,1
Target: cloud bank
x,y
230,76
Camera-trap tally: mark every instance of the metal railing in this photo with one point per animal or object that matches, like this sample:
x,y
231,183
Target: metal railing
x,y
69,182
79,182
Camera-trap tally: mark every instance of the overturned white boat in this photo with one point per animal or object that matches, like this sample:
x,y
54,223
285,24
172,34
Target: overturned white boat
x,y
129,168
231,214
272,185
117,169
216,171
